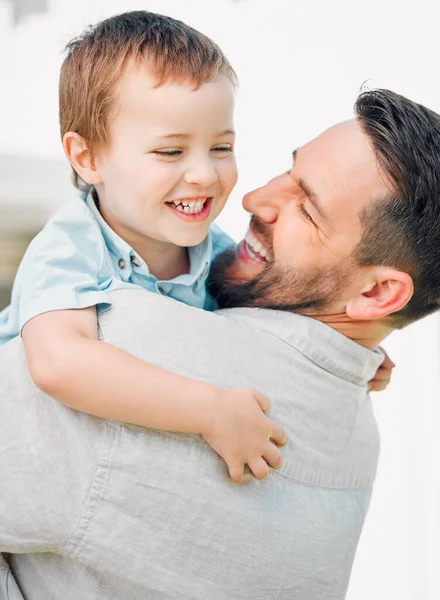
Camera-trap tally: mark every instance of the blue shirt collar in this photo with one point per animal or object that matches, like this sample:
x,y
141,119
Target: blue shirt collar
x,y
200,256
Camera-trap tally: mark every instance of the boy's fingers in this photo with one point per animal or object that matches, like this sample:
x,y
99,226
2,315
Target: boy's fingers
x,y
262,401
236,473
259,468
377,386
273,456
382,375
387,363
278,436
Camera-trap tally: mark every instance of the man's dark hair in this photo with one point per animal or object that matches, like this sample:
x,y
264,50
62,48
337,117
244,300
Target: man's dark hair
x,y
403,230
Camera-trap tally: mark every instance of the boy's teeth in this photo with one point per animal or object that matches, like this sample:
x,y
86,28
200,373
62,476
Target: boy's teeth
x,y
190,207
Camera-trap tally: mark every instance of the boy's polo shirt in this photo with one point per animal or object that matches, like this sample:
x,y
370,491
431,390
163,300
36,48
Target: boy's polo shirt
x,y
77,259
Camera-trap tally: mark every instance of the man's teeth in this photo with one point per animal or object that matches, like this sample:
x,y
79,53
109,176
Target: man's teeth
x,y
190,207
255,244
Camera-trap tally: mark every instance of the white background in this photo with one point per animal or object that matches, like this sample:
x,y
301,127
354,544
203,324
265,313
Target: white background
x,y
301,64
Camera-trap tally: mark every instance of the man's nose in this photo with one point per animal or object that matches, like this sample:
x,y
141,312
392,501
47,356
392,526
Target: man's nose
x,y
202,172
264,202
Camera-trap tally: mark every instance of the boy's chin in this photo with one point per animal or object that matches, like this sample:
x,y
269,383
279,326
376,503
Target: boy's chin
x,y
187,240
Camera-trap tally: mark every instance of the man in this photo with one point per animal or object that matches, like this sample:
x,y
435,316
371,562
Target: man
x,y
102,510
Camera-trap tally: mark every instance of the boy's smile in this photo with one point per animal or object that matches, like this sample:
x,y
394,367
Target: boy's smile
x,y
191,209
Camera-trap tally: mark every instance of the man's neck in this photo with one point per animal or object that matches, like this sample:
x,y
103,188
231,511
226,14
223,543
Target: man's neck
x,y
366,333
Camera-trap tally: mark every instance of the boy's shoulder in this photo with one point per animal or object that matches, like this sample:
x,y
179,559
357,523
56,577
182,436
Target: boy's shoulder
x,y
73,216
66,266
220,240
71,232
73,223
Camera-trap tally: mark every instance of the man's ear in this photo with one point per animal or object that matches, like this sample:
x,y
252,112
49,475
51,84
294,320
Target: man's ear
x,y
80,158
387,291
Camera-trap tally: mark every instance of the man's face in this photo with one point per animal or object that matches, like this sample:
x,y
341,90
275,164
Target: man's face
x,y
305,224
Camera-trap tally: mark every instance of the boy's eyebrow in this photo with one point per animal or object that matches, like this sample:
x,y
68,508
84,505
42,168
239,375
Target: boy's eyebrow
x,y
188,135
312,197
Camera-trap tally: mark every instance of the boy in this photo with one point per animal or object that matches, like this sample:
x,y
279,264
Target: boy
x,y
146,114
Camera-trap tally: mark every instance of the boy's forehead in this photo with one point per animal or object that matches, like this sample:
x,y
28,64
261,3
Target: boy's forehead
x,y
139,92
137,77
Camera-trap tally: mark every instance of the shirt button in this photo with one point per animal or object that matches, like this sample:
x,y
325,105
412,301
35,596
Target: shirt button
x,y
160,289
135,261
121,263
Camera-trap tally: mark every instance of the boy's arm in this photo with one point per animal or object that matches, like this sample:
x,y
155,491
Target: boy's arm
x,y
382,377
68,362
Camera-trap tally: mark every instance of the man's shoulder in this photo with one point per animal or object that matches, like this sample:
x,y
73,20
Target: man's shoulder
x,y
316,382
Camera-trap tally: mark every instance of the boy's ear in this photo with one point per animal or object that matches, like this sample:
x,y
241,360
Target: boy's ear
x,y
387,291
79,156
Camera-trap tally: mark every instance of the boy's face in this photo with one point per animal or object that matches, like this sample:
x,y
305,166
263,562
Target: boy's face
x,y
170,164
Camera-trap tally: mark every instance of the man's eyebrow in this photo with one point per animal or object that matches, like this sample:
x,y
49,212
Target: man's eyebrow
x,y
312,197
185,136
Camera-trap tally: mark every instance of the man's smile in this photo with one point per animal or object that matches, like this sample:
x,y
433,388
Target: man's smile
x,y
252,248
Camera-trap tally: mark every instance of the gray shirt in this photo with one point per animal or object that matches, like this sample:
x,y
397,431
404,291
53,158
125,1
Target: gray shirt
x,y
98,510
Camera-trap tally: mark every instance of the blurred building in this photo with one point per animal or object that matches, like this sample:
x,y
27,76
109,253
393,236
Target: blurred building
x,y
22,8
30,190
32,183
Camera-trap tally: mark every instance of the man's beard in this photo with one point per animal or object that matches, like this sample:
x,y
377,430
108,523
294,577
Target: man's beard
x,y
289,289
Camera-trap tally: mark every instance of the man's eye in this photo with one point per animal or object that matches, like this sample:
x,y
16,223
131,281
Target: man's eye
x,y
305,214
223,149
173,152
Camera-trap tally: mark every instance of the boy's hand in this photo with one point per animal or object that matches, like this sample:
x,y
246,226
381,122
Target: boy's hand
x,y
241,433
383,375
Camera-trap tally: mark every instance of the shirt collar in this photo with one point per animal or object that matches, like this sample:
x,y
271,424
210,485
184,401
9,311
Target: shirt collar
x,y
200,256
115,244
321,344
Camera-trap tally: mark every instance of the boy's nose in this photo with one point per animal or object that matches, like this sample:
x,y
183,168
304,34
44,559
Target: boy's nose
x,y
202,173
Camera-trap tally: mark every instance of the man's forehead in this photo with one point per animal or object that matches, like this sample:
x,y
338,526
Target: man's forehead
x,y
342,145
341,162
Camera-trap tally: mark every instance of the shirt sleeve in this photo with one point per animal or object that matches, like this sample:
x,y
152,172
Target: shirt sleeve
x,y
66,266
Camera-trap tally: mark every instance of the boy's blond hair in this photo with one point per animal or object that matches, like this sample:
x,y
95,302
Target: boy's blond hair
x,y
96,60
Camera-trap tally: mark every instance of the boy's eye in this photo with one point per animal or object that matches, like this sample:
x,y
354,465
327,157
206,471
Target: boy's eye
x,y
171,152
223,148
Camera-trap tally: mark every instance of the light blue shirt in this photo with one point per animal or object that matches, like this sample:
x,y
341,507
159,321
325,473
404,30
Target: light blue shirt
x,y
77,259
